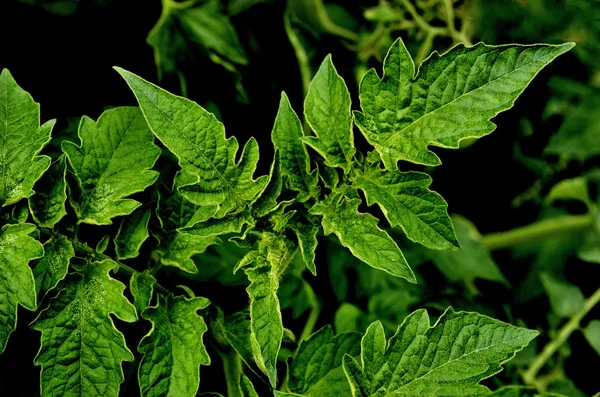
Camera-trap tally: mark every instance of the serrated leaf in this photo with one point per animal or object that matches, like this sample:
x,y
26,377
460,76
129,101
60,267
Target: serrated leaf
x,y
453,97
267,201
449,358
173,349
360,234
197,138
247,387
307,241
566,299
141,286
265,317
23,139
317,368
327,111
112,162
81,351
17,249
472,261
237,332
177,248
54,265
218,226
132,233
592,334
295,162
48,203
406,201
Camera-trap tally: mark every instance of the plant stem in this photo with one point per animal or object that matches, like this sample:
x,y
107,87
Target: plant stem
x,y
420,21
315,311
538,231
83,249
232,366
529,376
301,56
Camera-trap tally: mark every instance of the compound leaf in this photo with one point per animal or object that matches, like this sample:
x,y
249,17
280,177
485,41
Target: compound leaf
x,y
17,249
317,368
81,351
112,162
141,286
177,248
23,139
449,358
54,265
265,316
173,349
406,201
198,140
327,111
295,163
360,234
132,233
48,203
453,97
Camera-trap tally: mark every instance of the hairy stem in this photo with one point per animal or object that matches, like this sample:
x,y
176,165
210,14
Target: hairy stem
x,y
538,231
232,367
529,376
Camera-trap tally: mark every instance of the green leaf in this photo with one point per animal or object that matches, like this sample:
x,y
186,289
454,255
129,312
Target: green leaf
x,y
566,299
173,349
48,203
327,111
197,138
307,241
141,286
17,249
570,189
267,202
360,234
520,391
448,359
177,248
265,317
295,162
472,261
406,201
54,265
317,368
103,244
113,162
132,233
81,351
592,334
453,97
215,227
23,139
238,333
247,387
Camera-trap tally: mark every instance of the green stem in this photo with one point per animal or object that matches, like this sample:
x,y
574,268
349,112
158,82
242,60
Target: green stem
x,y
232,366
425,48
85,250
529,376
420,21
538,231
301,55
315,311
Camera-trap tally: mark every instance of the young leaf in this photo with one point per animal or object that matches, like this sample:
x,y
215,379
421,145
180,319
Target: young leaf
x,y
247,387
307,241
267,202
295,163
48,203
265,316
141,286
103,244
23,139
453,97
360,234
217,226
54,265
327,111
449,358
197,138
113,162
317,368
17,249
565,299
177,248
81,351
132,234
592,334
173,349
406,201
